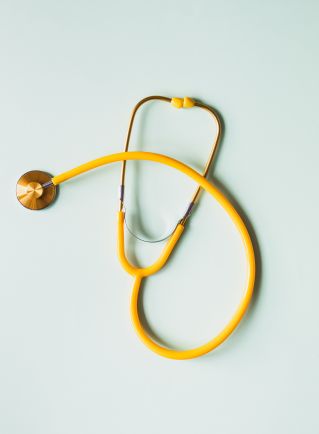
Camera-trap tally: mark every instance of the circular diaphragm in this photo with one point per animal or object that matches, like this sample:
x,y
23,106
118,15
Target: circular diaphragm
x,y
35,190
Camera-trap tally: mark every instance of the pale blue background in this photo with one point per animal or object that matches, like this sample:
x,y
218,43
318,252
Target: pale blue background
x,y
70,73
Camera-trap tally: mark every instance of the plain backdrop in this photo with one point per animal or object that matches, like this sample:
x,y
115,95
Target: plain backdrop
x,y
70,74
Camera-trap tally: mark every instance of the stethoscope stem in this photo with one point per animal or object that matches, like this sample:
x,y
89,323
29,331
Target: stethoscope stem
x,y
47,184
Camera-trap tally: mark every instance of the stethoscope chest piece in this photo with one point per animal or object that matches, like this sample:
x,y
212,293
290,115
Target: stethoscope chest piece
x,y
35,190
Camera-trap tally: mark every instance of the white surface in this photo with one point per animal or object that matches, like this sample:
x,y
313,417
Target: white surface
x,y
70,74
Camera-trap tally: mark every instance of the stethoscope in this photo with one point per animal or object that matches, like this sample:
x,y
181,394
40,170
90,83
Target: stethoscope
x,y
37,189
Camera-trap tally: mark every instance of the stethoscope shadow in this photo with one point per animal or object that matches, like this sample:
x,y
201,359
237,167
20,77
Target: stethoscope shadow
x,y
236,337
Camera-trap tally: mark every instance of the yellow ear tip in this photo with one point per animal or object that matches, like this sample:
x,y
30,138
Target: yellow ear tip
x,y
188,102
177,102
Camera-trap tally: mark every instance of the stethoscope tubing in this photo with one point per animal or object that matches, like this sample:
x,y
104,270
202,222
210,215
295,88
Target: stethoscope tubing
x,y
140,273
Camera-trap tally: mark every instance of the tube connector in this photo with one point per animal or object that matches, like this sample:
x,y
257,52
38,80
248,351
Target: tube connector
x,y
188,212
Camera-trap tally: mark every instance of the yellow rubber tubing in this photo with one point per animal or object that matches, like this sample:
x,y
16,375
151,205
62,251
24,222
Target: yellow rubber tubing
x,y
154,268
228,207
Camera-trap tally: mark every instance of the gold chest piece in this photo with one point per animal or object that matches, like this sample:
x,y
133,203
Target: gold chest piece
x,y
35,190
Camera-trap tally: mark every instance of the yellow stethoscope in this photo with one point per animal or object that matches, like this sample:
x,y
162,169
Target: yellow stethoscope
x,y
37,189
